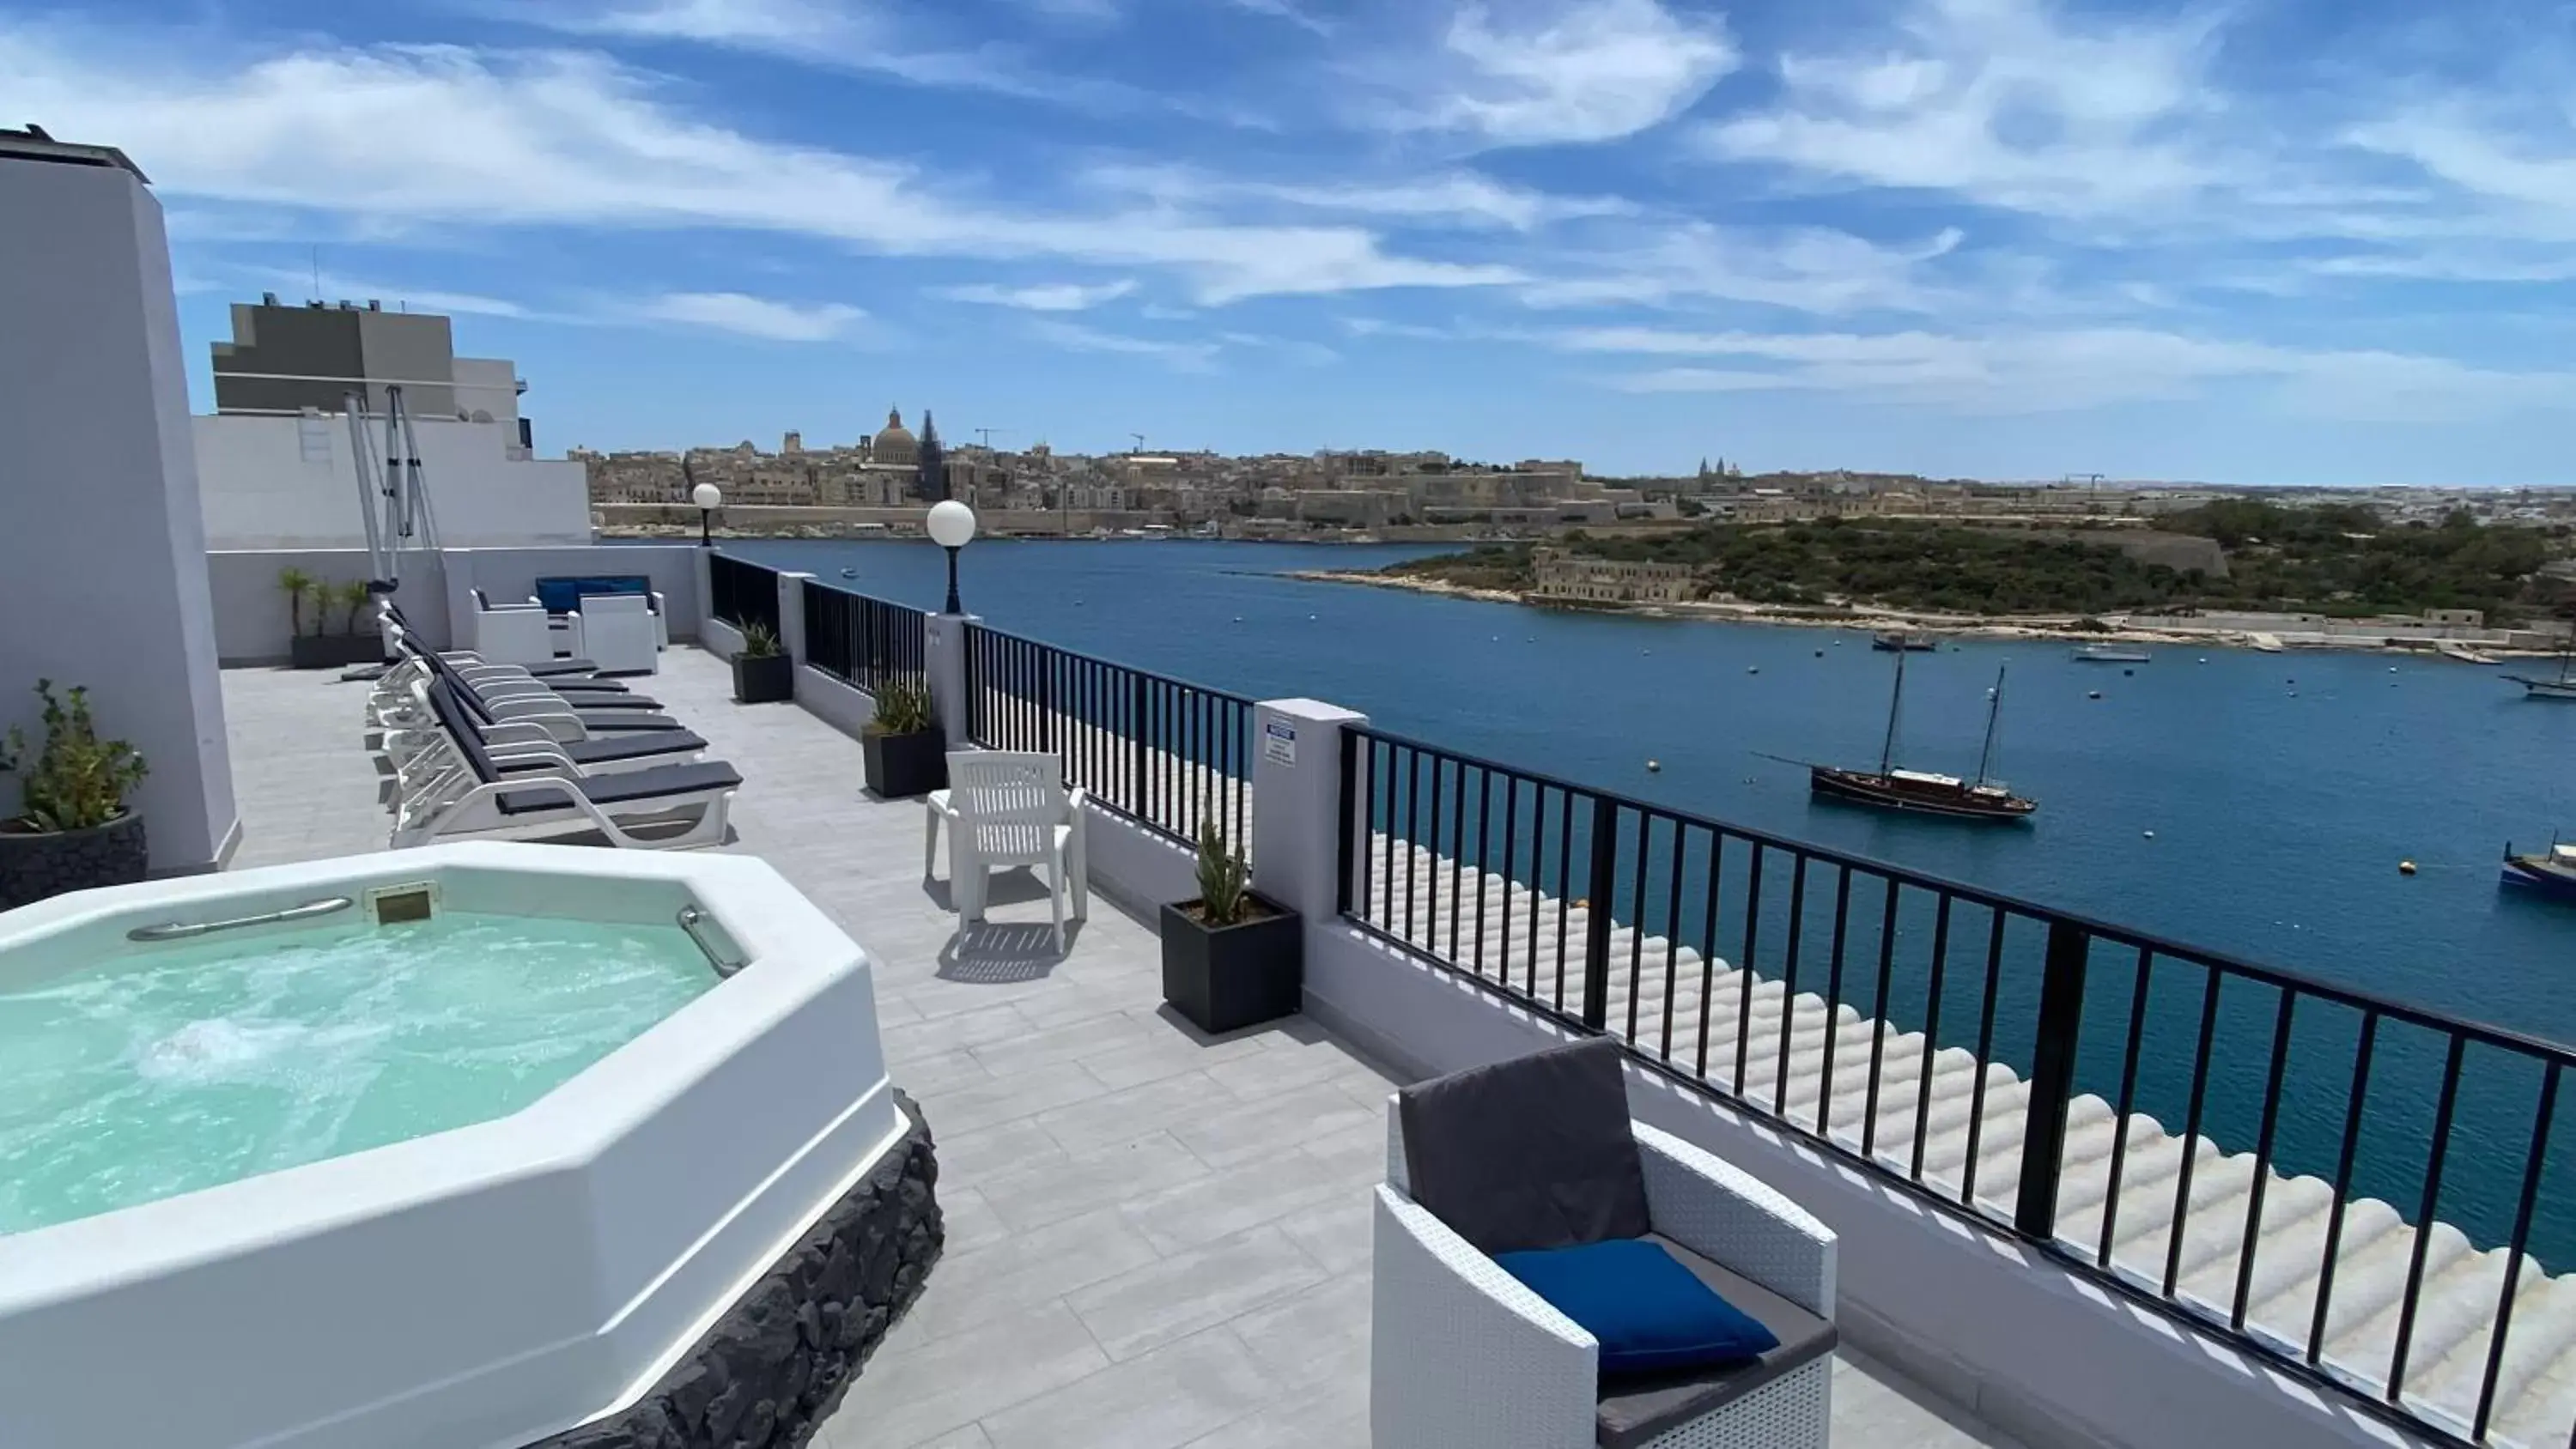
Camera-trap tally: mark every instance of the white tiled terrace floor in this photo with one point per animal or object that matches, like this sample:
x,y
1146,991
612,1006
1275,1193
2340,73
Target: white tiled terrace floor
x,y
1155,1240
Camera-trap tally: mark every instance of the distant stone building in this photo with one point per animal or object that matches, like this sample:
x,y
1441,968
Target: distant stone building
x,y
1583,578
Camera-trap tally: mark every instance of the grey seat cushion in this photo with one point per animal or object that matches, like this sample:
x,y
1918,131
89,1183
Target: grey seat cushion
x,y
1535,1152
1635,1408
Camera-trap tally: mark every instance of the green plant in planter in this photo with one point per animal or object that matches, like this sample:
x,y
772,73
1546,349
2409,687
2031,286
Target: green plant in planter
x,y
1224,878
298,586
759,641
351,596
904,708
78,780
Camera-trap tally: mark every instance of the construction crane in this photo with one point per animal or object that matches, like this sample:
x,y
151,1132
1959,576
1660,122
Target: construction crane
x,y
1140,442
985,436
2093,480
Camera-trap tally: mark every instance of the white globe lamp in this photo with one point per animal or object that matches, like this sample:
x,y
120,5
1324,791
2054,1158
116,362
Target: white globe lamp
x,y
709,498
952,527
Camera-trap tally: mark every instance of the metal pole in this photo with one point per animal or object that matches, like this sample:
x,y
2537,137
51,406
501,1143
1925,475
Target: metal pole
x,y
706,528
2052,1080
954,607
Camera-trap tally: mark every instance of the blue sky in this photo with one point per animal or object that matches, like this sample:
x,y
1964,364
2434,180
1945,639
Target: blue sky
x,y
2296,241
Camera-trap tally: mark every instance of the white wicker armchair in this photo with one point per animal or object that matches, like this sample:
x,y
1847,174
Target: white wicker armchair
x,y
1463,1356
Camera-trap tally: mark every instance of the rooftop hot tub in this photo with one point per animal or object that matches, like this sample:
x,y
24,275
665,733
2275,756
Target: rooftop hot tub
x,y
461,1146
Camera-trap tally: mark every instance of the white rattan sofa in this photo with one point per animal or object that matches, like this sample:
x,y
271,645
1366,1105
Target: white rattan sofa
x,y
1464,1356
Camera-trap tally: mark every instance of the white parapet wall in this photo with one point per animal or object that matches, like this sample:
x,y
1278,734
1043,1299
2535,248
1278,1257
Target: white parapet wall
x,y
252,621
292,482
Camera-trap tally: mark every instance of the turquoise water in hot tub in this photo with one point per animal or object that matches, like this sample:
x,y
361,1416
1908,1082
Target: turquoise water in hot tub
x,y
181,1067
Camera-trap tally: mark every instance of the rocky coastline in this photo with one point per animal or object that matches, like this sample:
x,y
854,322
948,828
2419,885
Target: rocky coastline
x,y
1871,620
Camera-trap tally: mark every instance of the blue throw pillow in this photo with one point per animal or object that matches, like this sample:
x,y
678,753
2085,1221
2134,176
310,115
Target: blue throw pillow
x,y
1646,1308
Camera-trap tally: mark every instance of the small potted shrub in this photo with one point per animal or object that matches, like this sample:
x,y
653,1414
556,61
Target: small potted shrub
x,y
73,829
762,672
1232,957
907,752
322,648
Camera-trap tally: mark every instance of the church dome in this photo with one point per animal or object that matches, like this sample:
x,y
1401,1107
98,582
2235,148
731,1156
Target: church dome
x,y
896,443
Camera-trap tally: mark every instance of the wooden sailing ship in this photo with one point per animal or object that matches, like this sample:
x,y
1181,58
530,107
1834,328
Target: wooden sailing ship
x,y
1890,787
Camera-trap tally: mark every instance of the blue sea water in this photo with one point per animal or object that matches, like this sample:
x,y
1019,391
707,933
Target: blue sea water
x,y
2252,804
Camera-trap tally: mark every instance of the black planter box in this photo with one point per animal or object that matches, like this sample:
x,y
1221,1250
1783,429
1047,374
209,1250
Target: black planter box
x,y
763,681
38,864
903,766
1233,976
335,651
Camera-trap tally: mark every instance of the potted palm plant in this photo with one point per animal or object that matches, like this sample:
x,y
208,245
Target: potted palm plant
x,y
907,752
73,829
762,672
324,649
1233,956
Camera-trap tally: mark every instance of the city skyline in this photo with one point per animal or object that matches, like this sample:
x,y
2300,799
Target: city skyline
x,y
2283,242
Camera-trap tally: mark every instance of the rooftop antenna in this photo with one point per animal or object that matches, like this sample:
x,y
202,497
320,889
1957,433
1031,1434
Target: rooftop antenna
x,y
317,273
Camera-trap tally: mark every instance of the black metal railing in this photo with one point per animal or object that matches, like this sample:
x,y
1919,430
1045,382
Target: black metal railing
x,y
862,641
1985,1051
1173,755
742,593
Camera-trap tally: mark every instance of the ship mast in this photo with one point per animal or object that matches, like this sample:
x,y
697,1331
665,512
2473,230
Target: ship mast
x,y
1895,702
1994,708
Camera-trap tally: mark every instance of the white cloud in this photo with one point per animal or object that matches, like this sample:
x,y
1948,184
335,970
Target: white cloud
x,y
1809,269
858,38
1046,297
1074,337
1289,11
1589,70
2014,372
798,24
1296,350
572,140
754,316
2003,103
1460,198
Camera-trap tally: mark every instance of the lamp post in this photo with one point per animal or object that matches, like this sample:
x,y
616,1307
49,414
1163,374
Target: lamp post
x,y
709,498
952,527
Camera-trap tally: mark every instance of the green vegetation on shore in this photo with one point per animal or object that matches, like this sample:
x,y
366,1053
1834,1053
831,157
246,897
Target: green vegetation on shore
x,y
2344,561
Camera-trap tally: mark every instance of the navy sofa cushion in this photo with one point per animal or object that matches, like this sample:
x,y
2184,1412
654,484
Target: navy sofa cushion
x,y
1637,1409
1650,1312
563,594
1534,1152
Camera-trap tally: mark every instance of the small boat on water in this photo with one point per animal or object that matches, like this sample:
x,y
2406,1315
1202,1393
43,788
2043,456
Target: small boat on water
x,y
1897,641
2110,654
2551,873
849,573
1891,788
2563,687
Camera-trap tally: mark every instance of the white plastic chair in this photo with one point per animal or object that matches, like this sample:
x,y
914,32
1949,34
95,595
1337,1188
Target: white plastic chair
x,y
511,633
616,631
1011,808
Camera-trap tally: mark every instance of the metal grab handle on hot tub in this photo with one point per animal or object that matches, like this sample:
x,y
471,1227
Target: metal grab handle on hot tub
x,y
690,917
181,930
